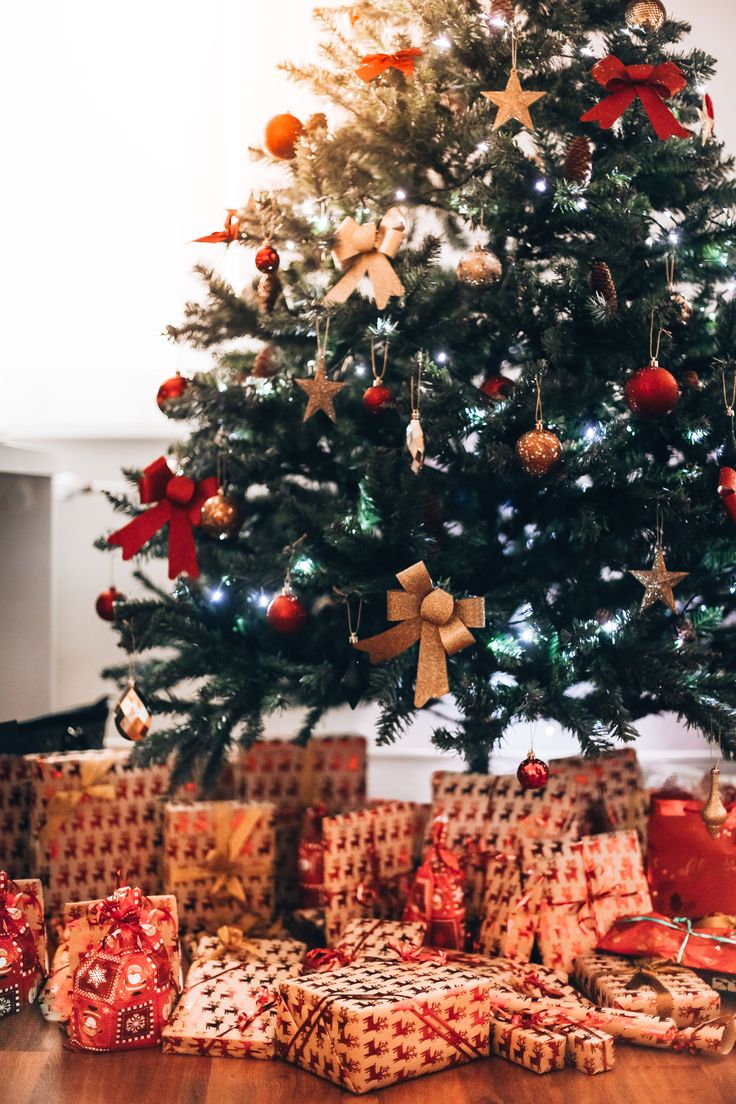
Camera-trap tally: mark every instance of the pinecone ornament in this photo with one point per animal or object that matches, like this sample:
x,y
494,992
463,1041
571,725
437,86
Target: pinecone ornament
x,y
578,167
691,381
501,10
602,283
269,290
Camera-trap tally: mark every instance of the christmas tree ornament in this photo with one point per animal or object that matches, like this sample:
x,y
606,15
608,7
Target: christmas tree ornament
x,y
578,166
266,363
176,501
645,15
286,613
267,259
691,381
501,13
479,267
414,431
513,102
431,616
714,814
498,388
437,897
106,602
538,450
533,773
652,391
373,65
354,681
659,582
316,125
727,458
172,388
221,517
230,232
320,390
132,718
650,84
681,308
268,292
707,116
603,284
367,250
281,137
378,398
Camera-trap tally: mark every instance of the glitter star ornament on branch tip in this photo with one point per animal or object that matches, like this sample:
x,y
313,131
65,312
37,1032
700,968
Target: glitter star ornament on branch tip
x,y
513,102
320,390
659,582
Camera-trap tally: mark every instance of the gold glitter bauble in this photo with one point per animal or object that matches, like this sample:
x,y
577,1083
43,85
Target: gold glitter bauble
x,y
646,15
220,516
538,451
479,267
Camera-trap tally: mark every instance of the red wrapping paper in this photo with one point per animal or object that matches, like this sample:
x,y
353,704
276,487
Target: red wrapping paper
x,y
436,897
690,873
711,947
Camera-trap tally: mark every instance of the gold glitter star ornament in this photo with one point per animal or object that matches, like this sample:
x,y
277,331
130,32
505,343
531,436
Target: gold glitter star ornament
x,y
320,392
658,582
513,102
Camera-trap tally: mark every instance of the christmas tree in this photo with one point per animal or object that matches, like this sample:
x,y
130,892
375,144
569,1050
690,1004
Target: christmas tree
x,y
516,270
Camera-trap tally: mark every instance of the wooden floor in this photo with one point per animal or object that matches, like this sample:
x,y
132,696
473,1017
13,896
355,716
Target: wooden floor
x,y
35,1069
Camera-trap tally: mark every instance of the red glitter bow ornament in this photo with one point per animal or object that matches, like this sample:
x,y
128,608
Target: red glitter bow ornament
x,y
372,65
177,501
230,233
652,84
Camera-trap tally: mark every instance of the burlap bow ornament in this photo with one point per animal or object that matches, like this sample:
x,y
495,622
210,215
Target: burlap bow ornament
x,y
433,617
367,250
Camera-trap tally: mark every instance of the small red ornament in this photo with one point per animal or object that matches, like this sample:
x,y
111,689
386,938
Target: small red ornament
x,y
652,391
498,387
282,134
267,259
378,398
172,388
105,604
286,613
532,773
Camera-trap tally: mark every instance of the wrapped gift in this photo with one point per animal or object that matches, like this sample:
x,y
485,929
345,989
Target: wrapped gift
x,y
706,945
381,938
93,815
654,988
15,805
691,873
437,895
232,942
123,988
23,953
55,1000
610,791
86,924
228,1006
717,1036
534,1048
312,893
589,1049
219,859
371,1024
589,885
510,911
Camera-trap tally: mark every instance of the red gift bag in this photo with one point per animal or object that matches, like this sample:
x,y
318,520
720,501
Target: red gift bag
x,y
690,873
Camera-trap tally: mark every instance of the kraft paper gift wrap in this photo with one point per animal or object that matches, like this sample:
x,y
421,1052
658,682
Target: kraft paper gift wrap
x,y
535,1048
381,938
219,860
610,791
93,815
645,985
55,1000
371,1025
15,806
235,943
510,911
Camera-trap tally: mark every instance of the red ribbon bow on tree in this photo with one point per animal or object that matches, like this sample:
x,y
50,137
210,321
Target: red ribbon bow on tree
x,y
178,502
649,83
372,65
231,232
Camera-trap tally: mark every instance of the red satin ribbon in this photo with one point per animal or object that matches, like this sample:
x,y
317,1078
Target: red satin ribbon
x,y
415,952
231,232
321,959
178,503
372,65
649,83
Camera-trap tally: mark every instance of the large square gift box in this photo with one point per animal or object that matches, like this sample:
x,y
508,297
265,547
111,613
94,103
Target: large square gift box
x,y
219,861
371,1024
94,818
610,791
23,945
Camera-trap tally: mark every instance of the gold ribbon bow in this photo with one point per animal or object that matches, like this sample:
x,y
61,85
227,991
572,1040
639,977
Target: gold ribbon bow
x,y
64,802
433,617
648,975
367,250
224,863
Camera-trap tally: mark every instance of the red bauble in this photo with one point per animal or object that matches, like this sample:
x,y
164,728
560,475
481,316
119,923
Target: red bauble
x,y
497,387
652,391
286,613
532,773
172,388
378,398
282,134
105,604
267,259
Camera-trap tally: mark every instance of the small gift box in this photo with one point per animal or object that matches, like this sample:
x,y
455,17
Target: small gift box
x,y
219,859
691,873
589,1050
23,950
437,895
371,1024
234,943
670,992
93,814
610,791
510,912
534,1048
706,945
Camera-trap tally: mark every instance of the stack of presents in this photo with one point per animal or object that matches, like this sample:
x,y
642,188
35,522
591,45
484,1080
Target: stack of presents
x,y
366,941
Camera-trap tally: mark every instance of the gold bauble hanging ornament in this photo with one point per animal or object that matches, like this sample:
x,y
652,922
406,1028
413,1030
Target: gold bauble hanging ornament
x,y
538,451
220,517
479,267
645,15
714,812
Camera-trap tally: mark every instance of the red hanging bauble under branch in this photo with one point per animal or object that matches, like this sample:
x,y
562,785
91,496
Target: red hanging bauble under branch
x,y
532,773
106,602
286,613
378,398
652,391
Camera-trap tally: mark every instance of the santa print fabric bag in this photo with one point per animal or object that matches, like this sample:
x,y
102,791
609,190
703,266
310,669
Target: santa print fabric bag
x,y
22,943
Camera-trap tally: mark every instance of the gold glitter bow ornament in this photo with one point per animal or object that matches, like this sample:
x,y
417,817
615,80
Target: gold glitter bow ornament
x,y
367,250
433,617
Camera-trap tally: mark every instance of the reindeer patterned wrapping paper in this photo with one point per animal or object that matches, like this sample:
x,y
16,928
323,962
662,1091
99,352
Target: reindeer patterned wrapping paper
x,y
219,860
55,1000
374,1024
648,986
510,912
534,1048
610,791
15,808
234,943
381,938
92,816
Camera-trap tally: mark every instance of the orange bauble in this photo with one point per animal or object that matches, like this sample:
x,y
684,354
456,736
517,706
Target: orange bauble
x,y
282,134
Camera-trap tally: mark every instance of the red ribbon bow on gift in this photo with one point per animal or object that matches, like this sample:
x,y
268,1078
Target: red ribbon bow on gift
x,y
321,959
372,65
10,897
178,503
652,84
415,952
231,232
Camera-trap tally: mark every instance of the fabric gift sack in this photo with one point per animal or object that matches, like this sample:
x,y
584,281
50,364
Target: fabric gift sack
x,y
691,873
